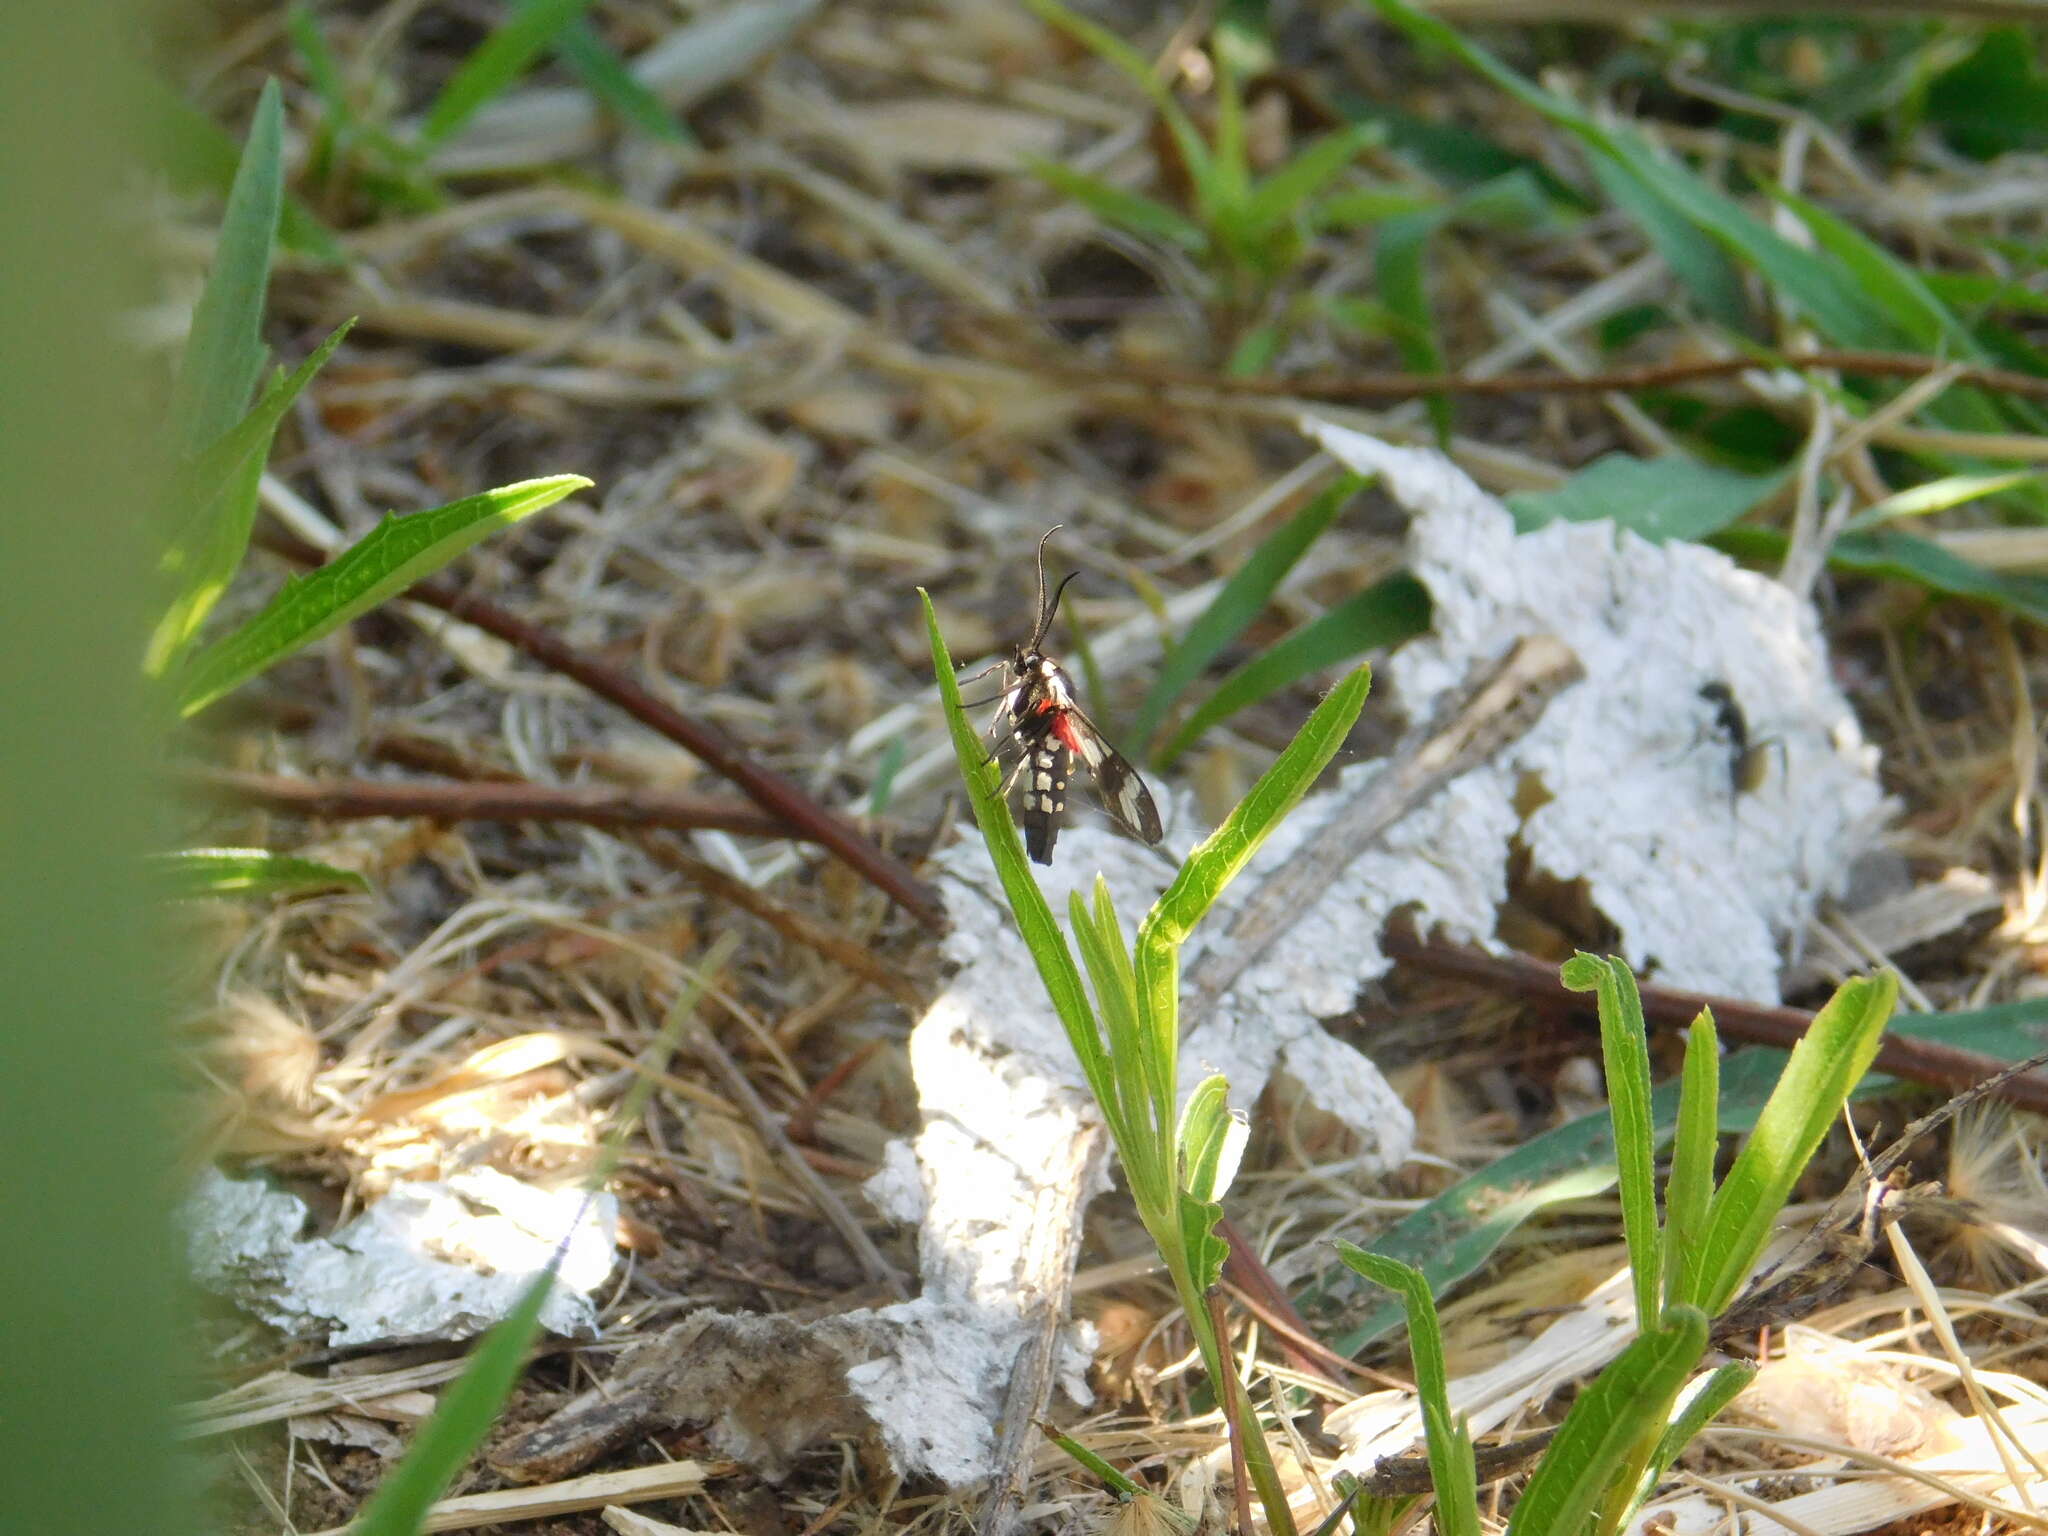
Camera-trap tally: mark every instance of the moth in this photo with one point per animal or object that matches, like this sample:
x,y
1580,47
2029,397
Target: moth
x,y
1038,716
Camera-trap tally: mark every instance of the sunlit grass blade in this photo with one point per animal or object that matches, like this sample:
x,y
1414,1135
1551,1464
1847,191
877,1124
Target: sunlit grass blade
x,y
1826,1065
1122,208
1287,192
210,502
1389,611
394,555
502,59
224,351
1715,1393
1606,1428
1689,1190
1942,495
1238,603
1625,1051
1451,1464
190,873
1213,864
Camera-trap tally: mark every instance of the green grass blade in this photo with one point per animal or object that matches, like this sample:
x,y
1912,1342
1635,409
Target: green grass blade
x,y
1105,1062
212,500
1225,851
189,873
1451,1464
1942,495
1286,193
1896,555
1828,1062
1385,613
1690,1189
394,555
502,59
1625,1051
1041,933
224,352
1136,68
1698,262
1120,207
1604,1432
1819,286
1238,603
607,78
1720,1389
1400,274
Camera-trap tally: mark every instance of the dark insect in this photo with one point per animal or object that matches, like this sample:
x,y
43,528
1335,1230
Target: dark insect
x,y
1051,733
1748,761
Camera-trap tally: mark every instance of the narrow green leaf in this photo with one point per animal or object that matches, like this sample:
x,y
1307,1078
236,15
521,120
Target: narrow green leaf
x,y
1110,1064
196,872
1035,922
1828,1062
1400,275
1452,1470
1229,848
611,82
1661,499
1604,1432
502,59
1720,1389
1698,261
1119,207
211,500
1896,555
1690,1188
1285,194
1942,495
323,72
394,555
1238,603
1386,613
1819,286
1121,1485
224,352
1624,1048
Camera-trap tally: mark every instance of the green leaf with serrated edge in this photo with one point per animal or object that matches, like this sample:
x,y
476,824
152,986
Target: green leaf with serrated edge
x,y
1690,1188
391,557
612,83
1211,1140
1829,1060
197,872
1695,1413
501,60
1604,1432
1035,922
1238,602
1661,499
224,350
1452,1470
1389,611
211,498
1624,1049
469,1407
1119,207
1819,286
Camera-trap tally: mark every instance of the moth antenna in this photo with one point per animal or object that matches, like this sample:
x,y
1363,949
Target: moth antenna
x,y
1044,613
1052,608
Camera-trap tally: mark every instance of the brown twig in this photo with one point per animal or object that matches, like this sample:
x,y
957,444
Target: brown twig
x,y
1384,387
487,800
1234,1416
789,805
791,924
1919,1061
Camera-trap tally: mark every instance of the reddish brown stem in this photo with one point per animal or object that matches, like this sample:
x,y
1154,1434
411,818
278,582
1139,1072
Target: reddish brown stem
x,y
1916,1060
794,810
